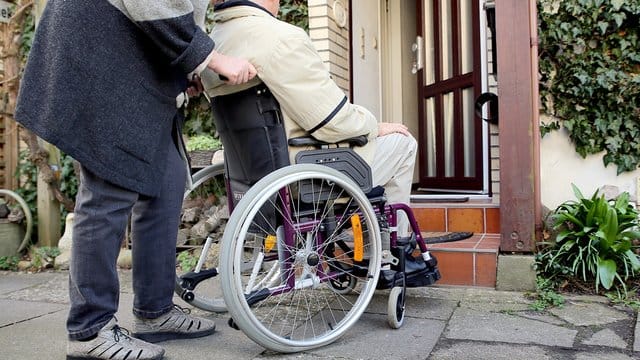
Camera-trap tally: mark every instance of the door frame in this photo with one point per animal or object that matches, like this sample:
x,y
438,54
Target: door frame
x,y
480,180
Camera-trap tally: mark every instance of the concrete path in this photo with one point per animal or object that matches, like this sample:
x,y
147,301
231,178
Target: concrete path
x,y
441,323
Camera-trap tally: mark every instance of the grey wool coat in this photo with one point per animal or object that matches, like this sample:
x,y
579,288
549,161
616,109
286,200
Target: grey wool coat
x,y
102,78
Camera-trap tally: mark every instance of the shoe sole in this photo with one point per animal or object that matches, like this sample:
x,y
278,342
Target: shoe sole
x,y
165,336
71,357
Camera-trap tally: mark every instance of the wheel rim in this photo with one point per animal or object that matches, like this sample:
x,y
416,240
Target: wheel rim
x,y
314,314
199,247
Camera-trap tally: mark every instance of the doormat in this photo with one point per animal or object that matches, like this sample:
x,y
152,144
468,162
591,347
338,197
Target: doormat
x,y
444,237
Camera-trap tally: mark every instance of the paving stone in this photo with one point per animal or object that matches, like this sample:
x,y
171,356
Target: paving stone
x,y
414,340
549,319
586,298
421,307
480,351
43,337
606,337
17,311
494,306
53,288
636,341
471,324
602,356
439,292
490,295
588,314
12,281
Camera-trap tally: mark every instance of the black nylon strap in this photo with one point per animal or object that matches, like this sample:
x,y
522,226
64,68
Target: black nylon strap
x,y
328,118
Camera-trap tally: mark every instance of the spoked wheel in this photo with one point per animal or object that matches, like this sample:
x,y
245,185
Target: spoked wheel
x,y
199,240
395,307
294,235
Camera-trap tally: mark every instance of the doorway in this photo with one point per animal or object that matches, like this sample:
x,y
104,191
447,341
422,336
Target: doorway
x,y
451,158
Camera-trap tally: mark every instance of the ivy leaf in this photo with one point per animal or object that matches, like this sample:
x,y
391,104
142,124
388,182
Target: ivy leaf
x,y
619,18
603,25
617,4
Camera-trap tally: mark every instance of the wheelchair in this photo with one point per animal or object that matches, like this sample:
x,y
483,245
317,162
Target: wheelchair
x,y
306,245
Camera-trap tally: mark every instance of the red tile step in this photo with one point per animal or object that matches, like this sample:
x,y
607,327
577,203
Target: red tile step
x,y
469,262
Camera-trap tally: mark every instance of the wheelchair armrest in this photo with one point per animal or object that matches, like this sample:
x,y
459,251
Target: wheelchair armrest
x,y
311,141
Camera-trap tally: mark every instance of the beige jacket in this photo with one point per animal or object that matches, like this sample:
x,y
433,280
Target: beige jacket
x,y
287,62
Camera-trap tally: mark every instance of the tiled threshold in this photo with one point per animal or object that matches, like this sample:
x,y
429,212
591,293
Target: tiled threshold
x,y
468,262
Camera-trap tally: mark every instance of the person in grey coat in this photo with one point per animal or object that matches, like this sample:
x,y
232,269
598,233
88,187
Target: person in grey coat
x,y
105,82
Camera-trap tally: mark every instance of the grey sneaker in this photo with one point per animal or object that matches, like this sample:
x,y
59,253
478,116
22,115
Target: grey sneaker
x,y
176,324
113,342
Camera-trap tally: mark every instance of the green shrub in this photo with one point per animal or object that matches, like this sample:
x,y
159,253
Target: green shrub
x,y
187,261
9,263
595,241
203,142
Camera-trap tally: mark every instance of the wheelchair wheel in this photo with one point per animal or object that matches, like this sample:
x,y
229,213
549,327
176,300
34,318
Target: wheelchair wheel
x,y
282,251
395,307
198,246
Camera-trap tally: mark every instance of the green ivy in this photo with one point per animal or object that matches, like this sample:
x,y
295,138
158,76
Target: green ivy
x,y
295,12
27,175
590,75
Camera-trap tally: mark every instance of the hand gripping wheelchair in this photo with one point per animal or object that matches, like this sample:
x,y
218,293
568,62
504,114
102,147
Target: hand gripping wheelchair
x,y
306,245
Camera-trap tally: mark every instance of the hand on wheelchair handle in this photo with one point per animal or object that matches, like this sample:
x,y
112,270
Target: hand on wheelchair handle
x,y
390,128
195,87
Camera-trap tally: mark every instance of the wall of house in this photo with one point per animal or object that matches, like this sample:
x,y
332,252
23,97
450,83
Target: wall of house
x,y
561,165
331,38
494,133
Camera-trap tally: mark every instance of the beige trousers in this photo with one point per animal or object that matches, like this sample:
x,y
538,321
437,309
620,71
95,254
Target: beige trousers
x,y
392,168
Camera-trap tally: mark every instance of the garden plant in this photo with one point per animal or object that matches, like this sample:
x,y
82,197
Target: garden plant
x,y
595,246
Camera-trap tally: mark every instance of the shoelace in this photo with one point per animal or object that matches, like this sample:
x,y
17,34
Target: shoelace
x,y
118,331
183,310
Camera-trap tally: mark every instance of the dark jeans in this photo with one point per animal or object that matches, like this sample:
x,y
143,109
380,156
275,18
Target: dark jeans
x,y
101,215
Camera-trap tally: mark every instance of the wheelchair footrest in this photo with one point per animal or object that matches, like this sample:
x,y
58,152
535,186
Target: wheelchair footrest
x,y
425,277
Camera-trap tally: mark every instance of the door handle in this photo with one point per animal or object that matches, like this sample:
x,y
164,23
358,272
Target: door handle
x,y
417,48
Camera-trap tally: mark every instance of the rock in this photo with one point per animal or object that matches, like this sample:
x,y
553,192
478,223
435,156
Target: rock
x,y
199,231
124,259
16,215
24,265
190,215
64,244
4,210
65,241
218,157
183,235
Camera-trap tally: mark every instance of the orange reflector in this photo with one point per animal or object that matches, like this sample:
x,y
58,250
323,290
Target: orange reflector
x,y
269,243
358,242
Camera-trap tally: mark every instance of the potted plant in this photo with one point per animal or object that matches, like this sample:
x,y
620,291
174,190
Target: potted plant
x,y
201,148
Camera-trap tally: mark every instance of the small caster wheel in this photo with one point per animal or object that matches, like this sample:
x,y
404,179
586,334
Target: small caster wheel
x,y
343,286
395,308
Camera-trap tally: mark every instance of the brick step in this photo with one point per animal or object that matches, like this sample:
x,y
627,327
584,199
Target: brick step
x,y
469,262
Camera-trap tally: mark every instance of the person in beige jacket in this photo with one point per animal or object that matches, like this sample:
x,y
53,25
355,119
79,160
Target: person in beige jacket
x,y
311,102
